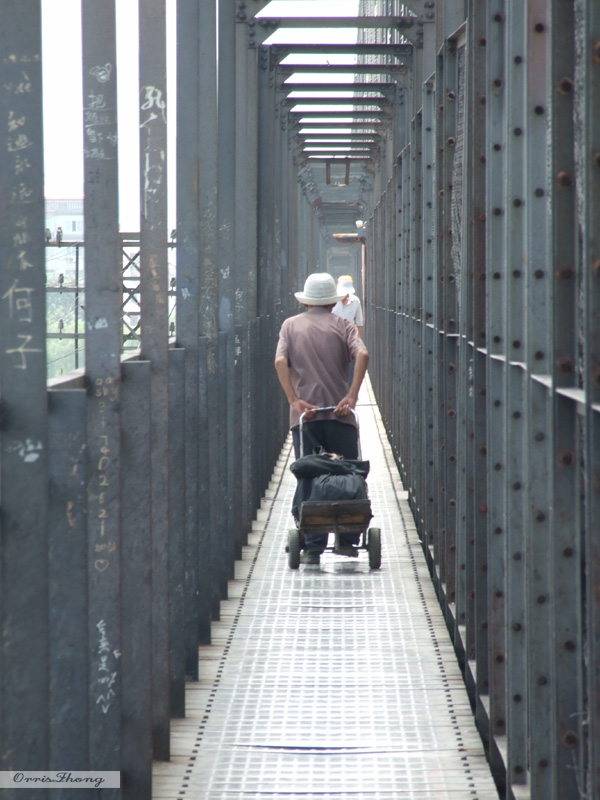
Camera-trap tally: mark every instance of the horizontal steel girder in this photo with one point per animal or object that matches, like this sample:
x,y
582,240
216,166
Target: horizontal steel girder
x,y
398,23
337,137
351,69
338,87
336,101
401,51
339,114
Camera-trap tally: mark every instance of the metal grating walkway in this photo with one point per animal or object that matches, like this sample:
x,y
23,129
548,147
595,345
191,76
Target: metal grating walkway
x,y
332,681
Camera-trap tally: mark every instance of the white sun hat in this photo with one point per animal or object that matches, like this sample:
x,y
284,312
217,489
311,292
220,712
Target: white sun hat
x,y
345,285
319,290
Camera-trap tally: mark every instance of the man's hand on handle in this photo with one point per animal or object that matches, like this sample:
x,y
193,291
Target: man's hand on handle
x,y
302,407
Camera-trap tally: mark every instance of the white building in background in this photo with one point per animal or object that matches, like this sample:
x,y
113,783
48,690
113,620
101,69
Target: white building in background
x,y
65,216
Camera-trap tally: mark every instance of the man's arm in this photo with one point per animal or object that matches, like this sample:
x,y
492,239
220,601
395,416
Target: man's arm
x,y
285,379
347,403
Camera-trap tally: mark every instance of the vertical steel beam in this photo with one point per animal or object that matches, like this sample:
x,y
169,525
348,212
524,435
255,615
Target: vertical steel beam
x,y
513,401
428,289
209,287
189,298
566,578
496,372
102,358
138,593
226,116
475,234
67,599
587,152
538,421
154,336
24,733
176,530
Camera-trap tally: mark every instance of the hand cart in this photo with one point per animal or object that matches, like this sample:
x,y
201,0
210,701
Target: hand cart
x,y
334,516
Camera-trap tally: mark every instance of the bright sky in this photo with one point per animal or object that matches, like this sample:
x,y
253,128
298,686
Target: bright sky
x,y
63,127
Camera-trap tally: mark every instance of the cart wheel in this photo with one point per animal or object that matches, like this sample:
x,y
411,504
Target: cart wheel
x,y
293,548
374,547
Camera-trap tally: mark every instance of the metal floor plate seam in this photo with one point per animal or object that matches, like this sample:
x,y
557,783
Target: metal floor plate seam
x,y
334,681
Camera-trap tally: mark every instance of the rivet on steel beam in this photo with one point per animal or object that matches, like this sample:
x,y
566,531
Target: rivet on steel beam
x,y
564,179
566,458
497,147
498,82
450,94
543,763
539,355
497,212
498,467
564,365
540,516
482,41
517,627
500,660
483,451
516,486
565,85
539,437
541,599
450,141
539,110
568,552
539,27
518,59
565,273
452,504
482,160
518,131
570,739
516,344
516,273
482,100
517,556
539,192
517,202
542,680
483,508
570,646
482,392
497,403
498,17
516,415
539,273
517,699
498,530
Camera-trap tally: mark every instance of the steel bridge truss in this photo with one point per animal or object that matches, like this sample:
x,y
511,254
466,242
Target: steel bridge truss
x,y
467,151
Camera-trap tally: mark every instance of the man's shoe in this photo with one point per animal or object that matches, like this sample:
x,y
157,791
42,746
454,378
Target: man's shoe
x,y
310,557
348,550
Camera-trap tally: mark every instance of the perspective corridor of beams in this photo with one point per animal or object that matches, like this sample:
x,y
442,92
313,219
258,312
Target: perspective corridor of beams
x,y
341,84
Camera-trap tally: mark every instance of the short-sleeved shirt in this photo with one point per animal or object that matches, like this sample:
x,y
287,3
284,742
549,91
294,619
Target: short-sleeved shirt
x,y
351,311
319,346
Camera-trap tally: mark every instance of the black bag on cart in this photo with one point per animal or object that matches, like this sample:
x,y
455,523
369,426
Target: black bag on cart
x,y
326,476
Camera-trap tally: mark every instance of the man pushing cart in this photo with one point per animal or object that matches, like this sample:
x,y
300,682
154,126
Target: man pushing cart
x,y
312,359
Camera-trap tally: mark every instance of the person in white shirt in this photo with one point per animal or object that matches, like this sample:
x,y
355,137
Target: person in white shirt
x,y
350,308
